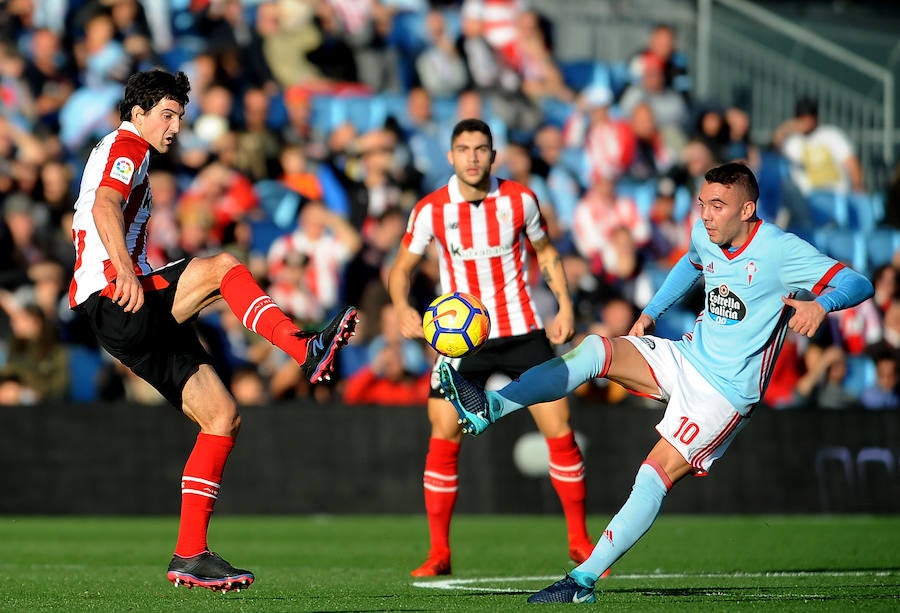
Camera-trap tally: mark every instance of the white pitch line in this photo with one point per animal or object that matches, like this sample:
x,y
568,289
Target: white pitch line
x,y
470,583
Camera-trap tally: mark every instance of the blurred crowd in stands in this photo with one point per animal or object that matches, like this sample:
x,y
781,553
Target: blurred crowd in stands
x,y
315,125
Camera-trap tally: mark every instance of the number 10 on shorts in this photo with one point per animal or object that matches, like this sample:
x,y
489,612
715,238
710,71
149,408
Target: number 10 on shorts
x,y
687,430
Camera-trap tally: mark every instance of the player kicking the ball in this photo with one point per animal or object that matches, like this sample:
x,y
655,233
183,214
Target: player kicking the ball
x,y
143,317
712,378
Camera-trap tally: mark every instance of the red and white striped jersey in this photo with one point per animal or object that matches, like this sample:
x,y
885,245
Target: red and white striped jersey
x,y
482,248
120,161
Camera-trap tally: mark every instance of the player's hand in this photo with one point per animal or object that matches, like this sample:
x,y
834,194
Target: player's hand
x,y
129,293
642,326
562,328
808,315
410,322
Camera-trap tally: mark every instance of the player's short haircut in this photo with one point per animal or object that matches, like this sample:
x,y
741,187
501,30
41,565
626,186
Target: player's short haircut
x,y
735,173
472,125
146,89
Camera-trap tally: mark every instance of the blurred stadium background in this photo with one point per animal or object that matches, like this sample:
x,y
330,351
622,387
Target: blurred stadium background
x,y
77,427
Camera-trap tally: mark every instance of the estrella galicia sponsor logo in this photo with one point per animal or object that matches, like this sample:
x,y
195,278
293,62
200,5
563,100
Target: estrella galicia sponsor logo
x,y
647,341
724,307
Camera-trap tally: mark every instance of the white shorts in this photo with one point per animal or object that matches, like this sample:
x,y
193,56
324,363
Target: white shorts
x,y
699,422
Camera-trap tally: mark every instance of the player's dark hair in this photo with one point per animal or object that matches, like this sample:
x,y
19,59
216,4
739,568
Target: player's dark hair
x,y
146,89
735,173
472,125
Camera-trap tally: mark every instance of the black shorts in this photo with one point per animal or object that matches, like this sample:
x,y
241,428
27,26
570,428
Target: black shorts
x,y
510,356
150,342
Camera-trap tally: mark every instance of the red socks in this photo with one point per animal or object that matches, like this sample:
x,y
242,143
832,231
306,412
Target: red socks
x,y
441,486
199,490
567,477
259,313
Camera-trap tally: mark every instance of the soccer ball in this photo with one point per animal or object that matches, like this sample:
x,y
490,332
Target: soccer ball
x,y
456,324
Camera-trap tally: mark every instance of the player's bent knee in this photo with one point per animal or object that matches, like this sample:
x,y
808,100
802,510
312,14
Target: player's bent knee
x,y
594,343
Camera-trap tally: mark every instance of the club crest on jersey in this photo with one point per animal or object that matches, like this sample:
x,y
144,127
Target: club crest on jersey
x,y
122,169
724,307
504,215
751,270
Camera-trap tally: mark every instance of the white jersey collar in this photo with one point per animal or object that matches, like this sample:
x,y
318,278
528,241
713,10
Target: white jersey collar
x,y
127,125
456,195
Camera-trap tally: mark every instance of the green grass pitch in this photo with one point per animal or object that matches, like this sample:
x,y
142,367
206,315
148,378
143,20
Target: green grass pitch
x,y
362,563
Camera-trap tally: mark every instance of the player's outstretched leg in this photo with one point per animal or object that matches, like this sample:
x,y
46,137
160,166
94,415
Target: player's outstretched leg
x,y
210,571
322,346
470,401
574,587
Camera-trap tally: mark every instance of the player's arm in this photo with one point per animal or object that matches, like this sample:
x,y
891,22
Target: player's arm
x,y
563,326
849,289
678,283
110,223
399,281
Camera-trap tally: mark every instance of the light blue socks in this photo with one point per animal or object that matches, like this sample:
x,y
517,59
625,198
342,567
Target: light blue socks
x,y
551,380
629,524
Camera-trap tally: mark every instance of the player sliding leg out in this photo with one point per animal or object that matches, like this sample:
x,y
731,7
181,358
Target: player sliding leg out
x,y
712,379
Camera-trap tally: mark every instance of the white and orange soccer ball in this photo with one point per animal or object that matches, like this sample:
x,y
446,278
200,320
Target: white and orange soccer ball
x,y
456,324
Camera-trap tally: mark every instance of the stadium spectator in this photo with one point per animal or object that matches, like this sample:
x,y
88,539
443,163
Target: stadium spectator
x,y
540,74
144,318
821,156
18,101
499,18
491,69
609,142
598,215
562,182
216,197
669,237
710,378
248,387
397,369
474,221
290,36
365,27
50,76
370,264
34,355
822,385
254,59
439,67
298,128
258,145
662,45
133,30
669,108
655,150
886,280
884,393
327,242
422,134
24,247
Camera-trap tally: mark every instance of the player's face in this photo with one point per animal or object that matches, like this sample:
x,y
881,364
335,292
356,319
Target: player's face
x,y
471,157
725,212
160,124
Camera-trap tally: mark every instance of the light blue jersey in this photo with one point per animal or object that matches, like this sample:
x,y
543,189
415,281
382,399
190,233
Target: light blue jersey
x,y
738,335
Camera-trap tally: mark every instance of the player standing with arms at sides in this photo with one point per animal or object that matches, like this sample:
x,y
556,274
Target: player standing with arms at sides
x,y
143,317
482,225
712,378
